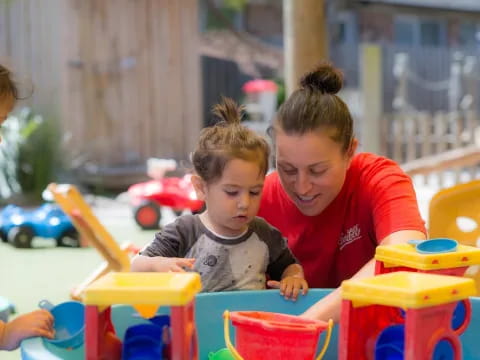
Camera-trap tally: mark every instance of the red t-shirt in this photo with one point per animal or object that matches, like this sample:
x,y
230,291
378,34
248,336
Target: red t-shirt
x,y
376,200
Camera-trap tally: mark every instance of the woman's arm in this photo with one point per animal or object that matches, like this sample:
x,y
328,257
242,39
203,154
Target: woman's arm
x,y
329,307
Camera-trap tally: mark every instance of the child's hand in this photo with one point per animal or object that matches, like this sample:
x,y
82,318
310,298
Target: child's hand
x,y
165,264
290,286
36,323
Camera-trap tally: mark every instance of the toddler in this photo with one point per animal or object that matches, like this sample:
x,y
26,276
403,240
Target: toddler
x,y
227,244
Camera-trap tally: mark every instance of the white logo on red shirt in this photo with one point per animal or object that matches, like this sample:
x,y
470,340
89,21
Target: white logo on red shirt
x,y
349,236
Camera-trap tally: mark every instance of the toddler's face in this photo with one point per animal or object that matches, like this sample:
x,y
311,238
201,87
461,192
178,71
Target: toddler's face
x,y
233,200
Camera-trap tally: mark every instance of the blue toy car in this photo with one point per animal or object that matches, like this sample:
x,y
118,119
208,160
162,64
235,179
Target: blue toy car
x,y
18,226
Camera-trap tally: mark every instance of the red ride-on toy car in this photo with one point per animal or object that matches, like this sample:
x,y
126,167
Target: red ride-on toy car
x,y
149,197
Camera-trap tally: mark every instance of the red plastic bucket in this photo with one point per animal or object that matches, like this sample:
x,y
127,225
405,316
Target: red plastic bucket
x,y
266,335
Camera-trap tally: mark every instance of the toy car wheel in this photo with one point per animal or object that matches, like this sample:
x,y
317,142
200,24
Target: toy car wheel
x,y
21,237
70,238
178,212
3,236
147,215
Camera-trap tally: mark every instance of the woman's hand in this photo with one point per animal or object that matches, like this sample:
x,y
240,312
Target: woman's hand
x,y
35,323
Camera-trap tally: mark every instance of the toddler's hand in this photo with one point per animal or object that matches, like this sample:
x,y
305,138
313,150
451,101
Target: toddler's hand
x,y
165,264
290,286
36,323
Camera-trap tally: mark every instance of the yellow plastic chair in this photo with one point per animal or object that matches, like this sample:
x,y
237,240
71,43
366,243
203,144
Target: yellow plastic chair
x,y
447,206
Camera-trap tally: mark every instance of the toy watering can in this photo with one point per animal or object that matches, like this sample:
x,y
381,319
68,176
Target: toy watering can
x,y
434,246
272,336
69,323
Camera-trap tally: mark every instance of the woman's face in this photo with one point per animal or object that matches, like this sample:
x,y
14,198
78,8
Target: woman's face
x,y
312,168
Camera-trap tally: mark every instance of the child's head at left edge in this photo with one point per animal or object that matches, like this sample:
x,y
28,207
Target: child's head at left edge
x,y
8,93
230,163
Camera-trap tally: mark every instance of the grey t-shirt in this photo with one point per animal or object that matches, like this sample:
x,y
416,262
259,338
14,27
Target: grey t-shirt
x,y
225,263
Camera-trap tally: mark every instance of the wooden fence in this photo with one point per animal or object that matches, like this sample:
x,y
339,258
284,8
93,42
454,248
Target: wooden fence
x,y
121,77
426,143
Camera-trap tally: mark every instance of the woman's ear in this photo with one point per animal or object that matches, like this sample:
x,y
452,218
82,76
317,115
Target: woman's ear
x,y
200,187
351,150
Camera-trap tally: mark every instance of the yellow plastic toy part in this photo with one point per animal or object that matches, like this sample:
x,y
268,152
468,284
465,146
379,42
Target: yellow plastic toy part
x,y
446,206
237,356
406,255
72,203
144,291
407,290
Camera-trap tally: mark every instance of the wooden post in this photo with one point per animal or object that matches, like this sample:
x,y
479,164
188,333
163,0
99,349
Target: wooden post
x,y
371,85
305,37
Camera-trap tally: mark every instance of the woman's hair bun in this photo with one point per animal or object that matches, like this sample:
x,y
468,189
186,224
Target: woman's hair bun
x,y
324,77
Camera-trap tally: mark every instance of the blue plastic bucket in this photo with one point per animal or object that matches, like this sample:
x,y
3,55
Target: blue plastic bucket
x,y
69,323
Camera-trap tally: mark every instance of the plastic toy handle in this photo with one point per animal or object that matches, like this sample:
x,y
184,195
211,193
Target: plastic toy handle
x,y
226,332
45,304
327,340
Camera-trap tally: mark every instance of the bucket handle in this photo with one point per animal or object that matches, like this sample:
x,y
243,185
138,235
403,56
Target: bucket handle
x,y
226,332
237,356
327,340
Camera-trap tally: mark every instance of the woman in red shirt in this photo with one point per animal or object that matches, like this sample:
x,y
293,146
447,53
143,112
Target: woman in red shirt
x,y
334,206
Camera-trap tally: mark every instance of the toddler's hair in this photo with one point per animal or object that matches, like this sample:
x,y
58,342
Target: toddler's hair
x,y
8,87
228,140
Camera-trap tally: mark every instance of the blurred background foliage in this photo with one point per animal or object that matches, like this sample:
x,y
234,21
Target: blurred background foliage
x,y
29,157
